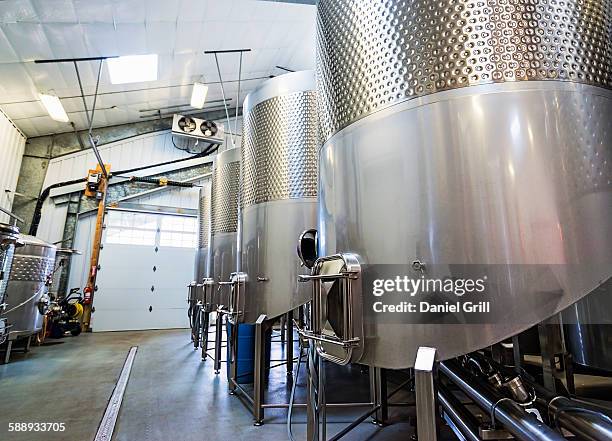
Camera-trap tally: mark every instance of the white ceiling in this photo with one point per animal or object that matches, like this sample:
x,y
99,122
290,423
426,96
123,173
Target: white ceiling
x,y
179,31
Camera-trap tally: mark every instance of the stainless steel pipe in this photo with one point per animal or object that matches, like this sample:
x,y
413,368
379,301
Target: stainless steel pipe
x,y
465,422
519,423
583,420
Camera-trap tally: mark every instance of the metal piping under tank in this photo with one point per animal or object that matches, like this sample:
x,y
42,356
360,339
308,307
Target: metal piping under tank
x,y
278,193
470,142
522,425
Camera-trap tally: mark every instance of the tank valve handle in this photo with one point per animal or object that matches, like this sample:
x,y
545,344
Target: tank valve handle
x,y
419,266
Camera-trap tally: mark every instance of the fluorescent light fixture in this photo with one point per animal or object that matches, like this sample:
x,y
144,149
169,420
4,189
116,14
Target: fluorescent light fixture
x,y
54,107
132,69
198,95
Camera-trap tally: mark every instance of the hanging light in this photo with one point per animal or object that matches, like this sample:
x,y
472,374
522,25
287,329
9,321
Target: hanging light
x,y
54,107
198,95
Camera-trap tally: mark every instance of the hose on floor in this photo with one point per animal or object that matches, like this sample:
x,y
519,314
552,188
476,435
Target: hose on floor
x,y
313,384
292,396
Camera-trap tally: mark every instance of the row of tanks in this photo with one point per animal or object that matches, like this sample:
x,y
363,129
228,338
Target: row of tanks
x,y
261,198
463,142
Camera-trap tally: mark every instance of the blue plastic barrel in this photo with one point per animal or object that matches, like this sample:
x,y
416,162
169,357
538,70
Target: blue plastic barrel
x,y
245,360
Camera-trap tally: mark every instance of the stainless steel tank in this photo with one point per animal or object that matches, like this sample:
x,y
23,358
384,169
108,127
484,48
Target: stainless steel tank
x,y
278,192
26,293
466,135
224,218
202,269
588,331
8,238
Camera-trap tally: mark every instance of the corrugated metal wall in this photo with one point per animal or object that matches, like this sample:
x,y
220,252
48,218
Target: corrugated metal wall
x,y
12,145
152,148
133,152
137,151
172,197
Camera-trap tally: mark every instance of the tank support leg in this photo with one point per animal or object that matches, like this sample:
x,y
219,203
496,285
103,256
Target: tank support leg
x,y
218,342
195,329
517,355
289,340
260,370
424,386
205,326
378,394
7,355
546,333
232,358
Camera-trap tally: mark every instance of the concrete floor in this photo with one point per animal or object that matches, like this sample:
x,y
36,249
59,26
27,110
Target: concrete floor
x,y
171,394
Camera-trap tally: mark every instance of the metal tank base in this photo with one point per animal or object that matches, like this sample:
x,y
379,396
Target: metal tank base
x,y
9,346
270,230
480,176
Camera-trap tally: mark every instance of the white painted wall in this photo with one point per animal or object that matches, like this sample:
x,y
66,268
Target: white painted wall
x,y
12,145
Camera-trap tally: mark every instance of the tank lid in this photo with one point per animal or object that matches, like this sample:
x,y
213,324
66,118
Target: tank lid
x,y
6,229
68,251
26,239
301,81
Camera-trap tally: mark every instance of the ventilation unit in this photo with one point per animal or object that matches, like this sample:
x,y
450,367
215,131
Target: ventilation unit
x,y
196,135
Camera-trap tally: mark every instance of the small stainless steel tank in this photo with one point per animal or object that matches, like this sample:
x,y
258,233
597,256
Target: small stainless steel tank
x,y
224,217
8,237
202,267
588,331
26,293
469,133
278,192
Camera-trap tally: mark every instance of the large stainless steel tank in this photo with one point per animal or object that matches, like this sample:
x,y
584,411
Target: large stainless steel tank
x,y
279,191
202,268
474,133
224,217
27,287
8,237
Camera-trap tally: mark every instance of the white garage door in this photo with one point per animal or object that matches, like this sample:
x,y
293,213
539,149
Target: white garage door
x,y
146,264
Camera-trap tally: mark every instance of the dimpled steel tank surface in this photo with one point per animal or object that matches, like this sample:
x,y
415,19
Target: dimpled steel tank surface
x,y
468,132
202,268
8,237
279,192
224,217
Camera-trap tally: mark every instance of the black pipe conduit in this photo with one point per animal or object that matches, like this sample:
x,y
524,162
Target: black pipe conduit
x,y
161,182
45,193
